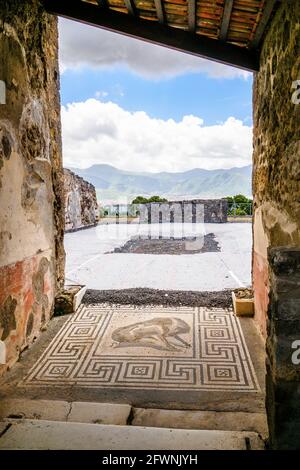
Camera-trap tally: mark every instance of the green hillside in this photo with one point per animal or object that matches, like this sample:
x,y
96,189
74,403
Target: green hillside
x,y
113,184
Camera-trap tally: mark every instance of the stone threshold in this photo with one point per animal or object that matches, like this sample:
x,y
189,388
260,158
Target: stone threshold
x,y
16,410
53,435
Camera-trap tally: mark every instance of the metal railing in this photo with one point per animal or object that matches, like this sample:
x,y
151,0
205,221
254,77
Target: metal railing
x,y
240,209
130,211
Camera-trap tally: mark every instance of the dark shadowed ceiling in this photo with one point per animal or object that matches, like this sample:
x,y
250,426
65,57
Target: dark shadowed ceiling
x,y
228,31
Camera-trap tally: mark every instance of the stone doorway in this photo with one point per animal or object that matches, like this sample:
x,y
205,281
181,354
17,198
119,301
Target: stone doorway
x,y
32,259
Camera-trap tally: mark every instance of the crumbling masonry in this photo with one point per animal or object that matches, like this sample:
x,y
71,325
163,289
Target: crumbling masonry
x,y
31,215
276,230
81,207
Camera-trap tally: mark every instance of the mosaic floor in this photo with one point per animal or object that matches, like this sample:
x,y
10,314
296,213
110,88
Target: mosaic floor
x,y
159,348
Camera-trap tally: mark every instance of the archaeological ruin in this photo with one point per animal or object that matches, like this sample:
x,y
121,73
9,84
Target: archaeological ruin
x,y
192,211
33,202
80,200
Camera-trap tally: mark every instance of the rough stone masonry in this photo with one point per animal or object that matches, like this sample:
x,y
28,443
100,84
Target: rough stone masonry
x,y
276,188
195,210
81,207
31,178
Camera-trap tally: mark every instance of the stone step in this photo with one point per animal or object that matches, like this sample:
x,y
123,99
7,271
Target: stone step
x,y
122,414
57,410
57,435
193,419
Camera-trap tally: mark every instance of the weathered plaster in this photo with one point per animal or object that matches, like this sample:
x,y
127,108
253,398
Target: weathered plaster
x,y
276,160
276,188
271,227
81,207
31,183
7,316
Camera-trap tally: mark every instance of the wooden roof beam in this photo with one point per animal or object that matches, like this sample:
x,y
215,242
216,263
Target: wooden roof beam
x,y
260,29
226,19
130,5
192,8
155,33
103,3
160,12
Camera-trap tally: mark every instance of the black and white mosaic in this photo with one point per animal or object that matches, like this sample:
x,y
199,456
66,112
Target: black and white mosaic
x,y
148,348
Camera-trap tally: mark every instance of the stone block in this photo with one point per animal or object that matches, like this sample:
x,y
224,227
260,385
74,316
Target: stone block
x,y
286,287
209,420
99,413
282,352
58,410
55,410
196,210
285,262
286,423
39,435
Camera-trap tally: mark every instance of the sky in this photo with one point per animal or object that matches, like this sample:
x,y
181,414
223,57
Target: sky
x,y
142,107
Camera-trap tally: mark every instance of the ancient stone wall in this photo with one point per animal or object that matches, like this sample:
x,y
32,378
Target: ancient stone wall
x,y
31,215
276,188
197,210
283,346
276,160
81,207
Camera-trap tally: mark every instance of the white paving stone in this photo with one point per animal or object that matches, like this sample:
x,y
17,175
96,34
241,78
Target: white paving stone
x,y
87,263
193,419
40,435
55,410
100,413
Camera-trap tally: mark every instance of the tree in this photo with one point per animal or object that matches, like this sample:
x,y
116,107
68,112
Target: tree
x,y
140,200
157,199
144,200
239,205
241,199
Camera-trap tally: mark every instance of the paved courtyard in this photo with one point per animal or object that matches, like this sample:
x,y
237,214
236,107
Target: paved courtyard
x,y
91,260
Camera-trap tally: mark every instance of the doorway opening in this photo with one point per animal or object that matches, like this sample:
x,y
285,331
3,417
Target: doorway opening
x,y
153,269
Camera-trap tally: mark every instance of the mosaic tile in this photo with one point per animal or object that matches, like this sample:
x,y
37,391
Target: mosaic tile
x,y
148,348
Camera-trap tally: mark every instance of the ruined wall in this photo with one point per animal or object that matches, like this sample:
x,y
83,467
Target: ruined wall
x,y
31,216
81,207
276,188
197,210
276,165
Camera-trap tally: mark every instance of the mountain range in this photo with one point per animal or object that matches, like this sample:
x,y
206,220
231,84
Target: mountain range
x,y
114,185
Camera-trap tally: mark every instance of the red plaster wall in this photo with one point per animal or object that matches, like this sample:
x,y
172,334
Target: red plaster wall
x,y
260,273
16,281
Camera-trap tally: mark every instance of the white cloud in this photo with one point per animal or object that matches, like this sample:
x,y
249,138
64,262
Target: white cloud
x,y
82,45
96,132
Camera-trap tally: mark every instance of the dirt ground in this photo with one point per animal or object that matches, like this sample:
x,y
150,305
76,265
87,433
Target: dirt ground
x,y
140,296
169,246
